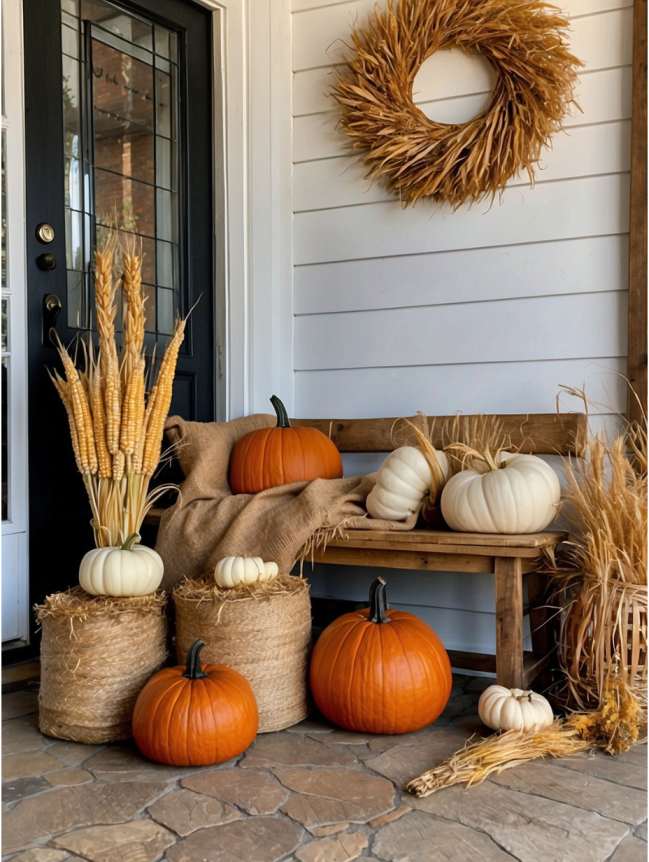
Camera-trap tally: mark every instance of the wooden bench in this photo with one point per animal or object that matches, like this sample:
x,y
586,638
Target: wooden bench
x,y
511,559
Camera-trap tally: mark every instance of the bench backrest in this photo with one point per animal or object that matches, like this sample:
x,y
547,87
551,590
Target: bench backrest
x,y
532,433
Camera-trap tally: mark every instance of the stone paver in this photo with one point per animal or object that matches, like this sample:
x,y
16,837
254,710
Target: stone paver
x,y
322,796
68,776
26,764
418,837
575,788
139,840
404,761
41,854
65,808
184,811
256,839
255,791
342,848
275,749
19,703
628,769
125,763
22,735
22,787
528,827
314,793
632,849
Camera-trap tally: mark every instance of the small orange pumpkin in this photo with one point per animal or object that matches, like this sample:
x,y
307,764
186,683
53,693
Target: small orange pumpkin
x,y
276,456
195,715
379,670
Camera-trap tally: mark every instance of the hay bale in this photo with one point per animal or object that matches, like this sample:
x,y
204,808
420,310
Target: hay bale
x,y
261,631
97,652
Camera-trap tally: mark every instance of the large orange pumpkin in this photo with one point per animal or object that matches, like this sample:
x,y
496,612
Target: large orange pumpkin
x,y
195,715
280,455
379,670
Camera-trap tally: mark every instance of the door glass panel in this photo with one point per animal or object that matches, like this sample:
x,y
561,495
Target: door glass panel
x,y
121,146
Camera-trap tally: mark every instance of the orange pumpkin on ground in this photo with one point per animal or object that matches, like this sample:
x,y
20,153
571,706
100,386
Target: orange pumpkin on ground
x,y
276,456
379,670
195,715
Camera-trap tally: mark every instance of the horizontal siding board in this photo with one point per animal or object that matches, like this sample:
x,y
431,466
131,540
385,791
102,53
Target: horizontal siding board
x,y
594,206
511,330
602,96
320,36
599,41
529,387
580,152
542,269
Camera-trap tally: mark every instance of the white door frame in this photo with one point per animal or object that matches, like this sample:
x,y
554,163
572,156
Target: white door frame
x,y
252,206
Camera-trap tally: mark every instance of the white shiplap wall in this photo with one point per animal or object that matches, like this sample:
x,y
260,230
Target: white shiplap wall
x,y
485,309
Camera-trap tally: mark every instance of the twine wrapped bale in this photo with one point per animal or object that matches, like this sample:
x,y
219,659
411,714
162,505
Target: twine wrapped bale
x,y
97,652
263,631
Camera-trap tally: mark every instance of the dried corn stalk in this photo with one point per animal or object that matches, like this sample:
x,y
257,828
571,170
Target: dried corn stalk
x,y
416,157
116,428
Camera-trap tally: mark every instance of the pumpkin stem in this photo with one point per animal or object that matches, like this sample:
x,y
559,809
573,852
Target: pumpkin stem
x,y
280,411
378,602
193,668
130,541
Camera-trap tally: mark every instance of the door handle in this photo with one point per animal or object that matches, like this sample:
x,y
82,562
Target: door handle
x,y
52,307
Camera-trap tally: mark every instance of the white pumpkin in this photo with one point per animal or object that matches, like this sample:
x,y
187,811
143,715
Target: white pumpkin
x,y
129,570
521,495
235,571
503,708
402,482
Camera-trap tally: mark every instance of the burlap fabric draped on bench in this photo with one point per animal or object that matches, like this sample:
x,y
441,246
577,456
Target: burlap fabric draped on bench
x,y
208,522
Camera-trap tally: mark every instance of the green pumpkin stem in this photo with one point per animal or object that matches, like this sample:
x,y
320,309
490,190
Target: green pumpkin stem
x,y
130,541
280,411
193,668
378,602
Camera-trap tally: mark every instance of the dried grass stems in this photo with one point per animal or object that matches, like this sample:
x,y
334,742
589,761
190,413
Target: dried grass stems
x,y
417,157
201,590
602,573
76,604
613,728
116,426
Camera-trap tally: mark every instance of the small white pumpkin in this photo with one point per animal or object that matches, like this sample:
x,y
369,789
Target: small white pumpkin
x,y
503,708
515,494
129,570
402,482
234,571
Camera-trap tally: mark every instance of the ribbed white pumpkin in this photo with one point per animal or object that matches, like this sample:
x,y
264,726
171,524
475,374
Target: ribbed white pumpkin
x,y
520,496
234,571
401,484
503,708
129,570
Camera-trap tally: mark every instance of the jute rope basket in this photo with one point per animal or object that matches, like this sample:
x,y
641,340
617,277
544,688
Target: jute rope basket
x,y
263,632
97,652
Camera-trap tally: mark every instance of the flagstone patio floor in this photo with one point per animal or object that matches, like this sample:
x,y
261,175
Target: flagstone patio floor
x,y
313,794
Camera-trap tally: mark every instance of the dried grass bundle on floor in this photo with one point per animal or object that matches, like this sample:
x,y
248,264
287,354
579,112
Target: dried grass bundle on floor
x,y
614,728
452,163
116,426
603,574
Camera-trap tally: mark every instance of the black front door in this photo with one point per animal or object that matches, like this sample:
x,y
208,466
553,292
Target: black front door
x,y
118,133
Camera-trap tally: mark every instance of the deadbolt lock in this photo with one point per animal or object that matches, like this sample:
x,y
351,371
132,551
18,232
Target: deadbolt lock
x,y
45,233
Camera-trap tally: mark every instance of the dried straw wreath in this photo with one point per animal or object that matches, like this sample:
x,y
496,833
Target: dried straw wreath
x,y
416,157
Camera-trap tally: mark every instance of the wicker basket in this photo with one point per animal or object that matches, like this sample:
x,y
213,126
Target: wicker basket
x,y
263,633
97,652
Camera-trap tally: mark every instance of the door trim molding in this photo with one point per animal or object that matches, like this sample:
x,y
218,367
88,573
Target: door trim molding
x,y
252,212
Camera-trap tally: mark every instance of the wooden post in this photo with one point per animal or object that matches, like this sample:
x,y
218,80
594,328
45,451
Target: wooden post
x,y
637,317
509,622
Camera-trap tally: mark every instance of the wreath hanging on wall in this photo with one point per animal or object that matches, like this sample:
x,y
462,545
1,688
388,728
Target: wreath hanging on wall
x,y
526,43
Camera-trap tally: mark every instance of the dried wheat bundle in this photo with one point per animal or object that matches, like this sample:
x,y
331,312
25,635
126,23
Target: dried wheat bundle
x,y
453,163
614,728
116,426
603,576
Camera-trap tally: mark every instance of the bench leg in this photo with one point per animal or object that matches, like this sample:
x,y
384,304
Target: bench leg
x,y
509,622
